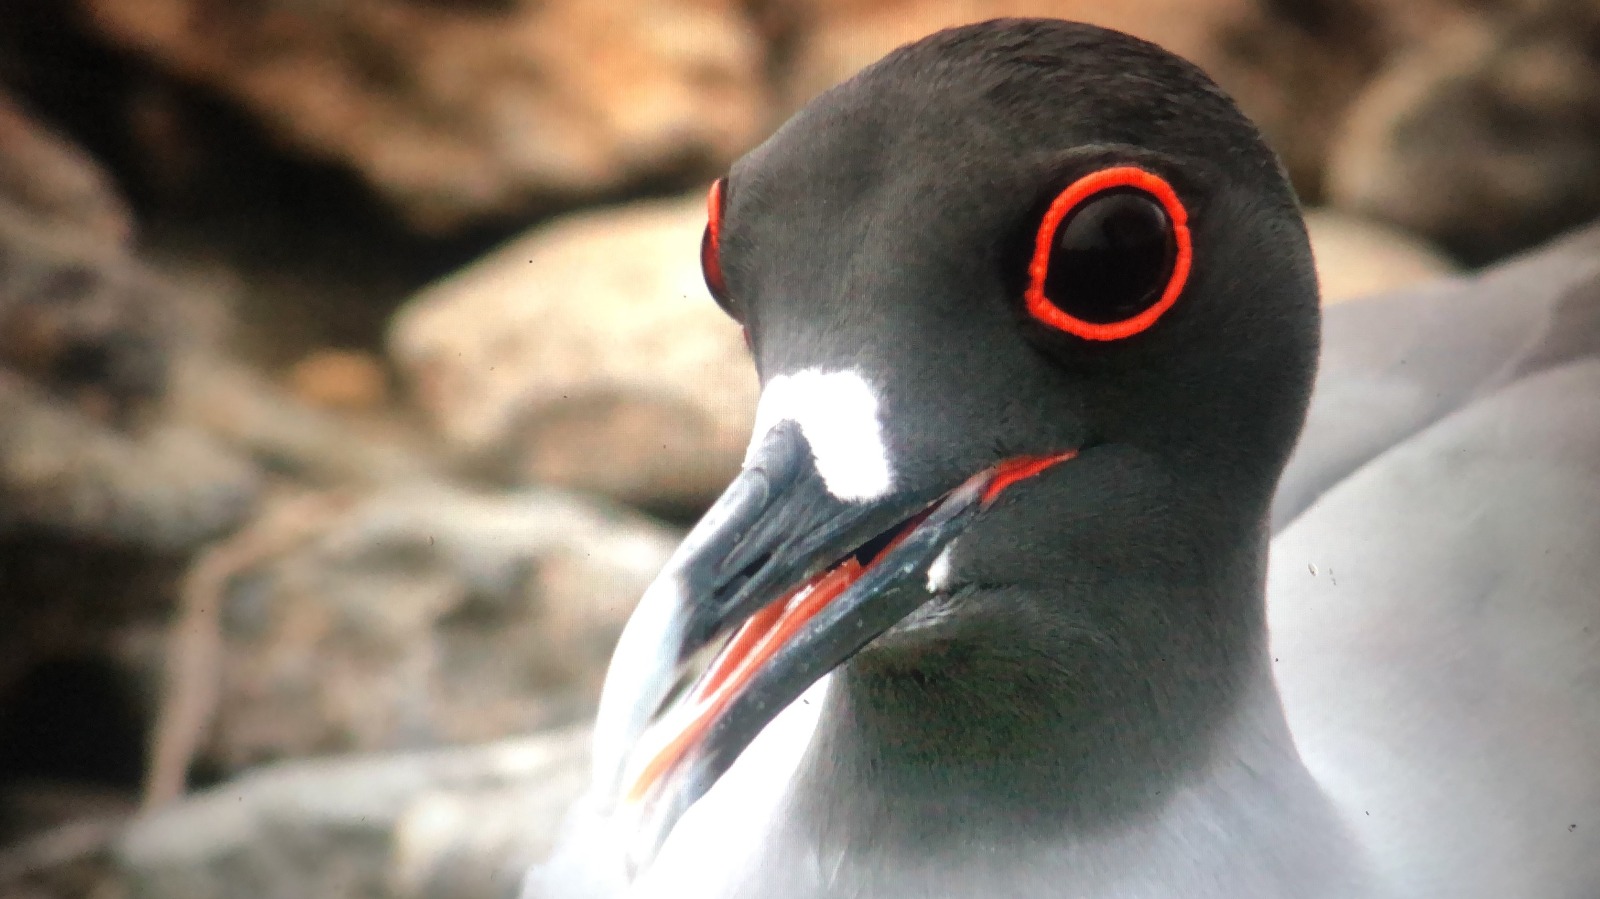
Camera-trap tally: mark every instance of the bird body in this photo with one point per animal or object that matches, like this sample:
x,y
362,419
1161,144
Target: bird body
x,y
1060,297
1434,613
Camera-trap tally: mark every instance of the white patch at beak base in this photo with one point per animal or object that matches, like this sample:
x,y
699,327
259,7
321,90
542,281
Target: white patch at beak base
x,y
939,571
838,414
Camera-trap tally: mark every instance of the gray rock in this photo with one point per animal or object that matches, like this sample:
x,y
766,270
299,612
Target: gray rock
x,y
83,320
588,355
361,828
88,342
242,408
164,488
478,842
425,615
1483,134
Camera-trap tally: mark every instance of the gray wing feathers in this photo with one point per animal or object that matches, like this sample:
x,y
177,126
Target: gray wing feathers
x,y
1435,622
1393,365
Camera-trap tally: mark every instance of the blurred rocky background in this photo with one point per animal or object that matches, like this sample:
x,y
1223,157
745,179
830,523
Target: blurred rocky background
x,y
356,374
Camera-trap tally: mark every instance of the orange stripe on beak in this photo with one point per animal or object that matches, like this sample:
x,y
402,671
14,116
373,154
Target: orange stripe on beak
x,y
756,641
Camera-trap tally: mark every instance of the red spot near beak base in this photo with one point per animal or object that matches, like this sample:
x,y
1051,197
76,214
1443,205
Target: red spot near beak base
x,y
1020,469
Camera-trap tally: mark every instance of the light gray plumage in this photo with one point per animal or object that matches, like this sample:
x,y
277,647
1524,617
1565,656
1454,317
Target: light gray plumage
x,y
1435,609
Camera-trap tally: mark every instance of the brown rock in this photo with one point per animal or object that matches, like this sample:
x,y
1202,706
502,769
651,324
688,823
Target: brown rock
x,y
54,183
88,338
588,354
421,616
1357,257
130,347
344,380
456,111
1484,135
1293,65
123,421
82,319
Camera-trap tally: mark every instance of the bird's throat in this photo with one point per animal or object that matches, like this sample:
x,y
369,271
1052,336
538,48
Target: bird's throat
x,y
1044,720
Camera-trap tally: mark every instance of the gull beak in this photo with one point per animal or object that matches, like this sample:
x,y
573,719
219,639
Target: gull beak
x,y
792,581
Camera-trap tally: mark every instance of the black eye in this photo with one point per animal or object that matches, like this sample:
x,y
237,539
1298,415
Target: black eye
x,y
1111,255
1111,259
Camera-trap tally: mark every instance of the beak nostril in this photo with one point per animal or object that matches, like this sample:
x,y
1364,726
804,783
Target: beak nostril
x,y
749,571
869,550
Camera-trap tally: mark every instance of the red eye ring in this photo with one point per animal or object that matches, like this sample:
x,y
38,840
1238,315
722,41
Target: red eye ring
x,y
1069,200
711,245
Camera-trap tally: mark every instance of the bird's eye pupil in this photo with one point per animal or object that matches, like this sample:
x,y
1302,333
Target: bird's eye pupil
x,y
1112,257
